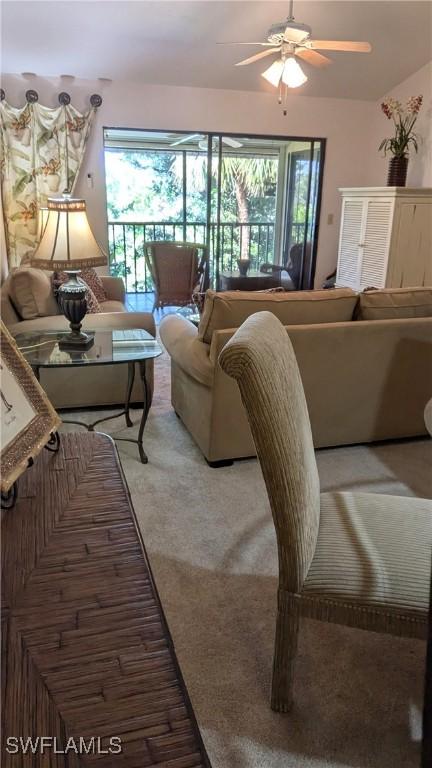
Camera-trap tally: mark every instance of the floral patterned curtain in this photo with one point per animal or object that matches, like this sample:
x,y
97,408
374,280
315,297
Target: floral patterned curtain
x,y
41,153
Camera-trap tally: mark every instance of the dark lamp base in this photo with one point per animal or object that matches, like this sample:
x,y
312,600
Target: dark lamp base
x,y
73,303
77,341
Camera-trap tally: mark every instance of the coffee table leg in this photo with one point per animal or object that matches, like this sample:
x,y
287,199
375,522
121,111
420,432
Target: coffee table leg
x,y
130,383
147,398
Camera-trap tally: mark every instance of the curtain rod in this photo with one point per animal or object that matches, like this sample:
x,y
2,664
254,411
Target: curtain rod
x,y
64,99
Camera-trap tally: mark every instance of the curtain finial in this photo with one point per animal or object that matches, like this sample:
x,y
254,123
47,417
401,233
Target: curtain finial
x,y
2,94
32,97
64,98
95,100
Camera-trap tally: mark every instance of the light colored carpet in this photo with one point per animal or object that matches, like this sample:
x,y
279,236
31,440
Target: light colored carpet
x,y
210,540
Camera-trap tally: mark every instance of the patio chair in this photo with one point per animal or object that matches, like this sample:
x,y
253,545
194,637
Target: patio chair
x,y
358,559
292,266
178,270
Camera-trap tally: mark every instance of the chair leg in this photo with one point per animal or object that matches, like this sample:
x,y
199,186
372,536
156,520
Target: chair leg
x,y
285,652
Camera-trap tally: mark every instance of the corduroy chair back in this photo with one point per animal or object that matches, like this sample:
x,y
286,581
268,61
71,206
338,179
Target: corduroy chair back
x,y
261,358
177,269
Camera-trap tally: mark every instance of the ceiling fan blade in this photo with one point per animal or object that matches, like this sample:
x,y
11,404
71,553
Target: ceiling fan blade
x,y
243,43
231,142
339,45
257,56
312,57
185,139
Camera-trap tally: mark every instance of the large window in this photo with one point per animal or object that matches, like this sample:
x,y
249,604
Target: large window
x,y
245,197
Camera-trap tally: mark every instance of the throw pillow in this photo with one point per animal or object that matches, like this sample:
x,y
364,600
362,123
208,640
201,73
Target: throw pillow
x,y
91,277
198,298
30,293
93,305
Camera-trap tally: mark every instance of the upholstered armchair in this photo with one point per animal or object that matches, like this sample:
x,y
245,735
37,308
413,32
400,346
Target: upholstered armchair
x,y
357,559
178,270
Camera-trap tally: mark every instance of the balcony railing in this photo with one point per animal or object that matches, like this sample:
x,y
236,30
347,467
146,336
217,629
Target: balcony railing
x,y
229,239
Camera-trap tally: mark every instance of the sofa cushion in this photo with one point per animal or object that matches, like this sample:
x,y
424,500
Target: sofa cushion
x,y
31,293
101,321
8,312
395,303
112,306
229,309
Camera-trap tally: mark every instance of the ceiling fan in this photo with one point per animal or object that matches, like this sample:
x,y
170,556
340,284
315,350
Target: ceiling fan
x,y
203,142
292,40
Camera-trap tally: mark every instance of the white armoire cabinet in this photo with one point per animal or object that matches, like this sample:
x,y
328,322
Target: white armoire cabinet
x,y
385,238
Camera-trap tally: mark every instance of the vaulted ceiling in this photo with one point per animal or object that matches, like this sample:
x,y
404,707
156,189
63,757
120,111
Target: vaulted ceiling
x,y
175,43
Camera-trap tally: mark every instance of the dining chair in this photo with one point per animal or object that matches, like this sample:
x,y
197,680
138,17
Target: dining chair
x,y
358,559
178,270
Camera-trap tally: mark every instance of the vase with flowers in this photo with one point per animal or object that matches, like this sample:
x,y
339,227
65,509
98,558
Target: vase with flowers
x,y
404,119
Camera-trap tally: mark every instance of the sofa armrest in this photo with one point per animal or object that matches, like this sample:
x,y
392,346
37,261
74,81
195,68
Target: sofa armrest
x,y
179,338
114,288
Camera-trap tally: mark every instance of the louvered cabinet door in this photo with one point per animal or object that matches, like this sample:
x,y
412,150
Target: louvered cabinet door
x,y
348,271
411,251
375,244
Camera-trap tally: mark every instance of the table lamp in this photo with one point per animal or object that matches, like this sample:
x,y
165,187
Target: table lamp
x,y
68,245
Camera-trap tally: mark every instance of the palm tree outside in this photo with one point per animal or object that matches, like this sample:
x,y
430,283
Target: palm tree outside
x,y
247,178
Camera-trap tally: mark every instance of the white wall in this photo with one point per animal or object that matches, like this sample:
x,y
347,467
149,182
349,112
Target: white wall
x,y
420,164
346,124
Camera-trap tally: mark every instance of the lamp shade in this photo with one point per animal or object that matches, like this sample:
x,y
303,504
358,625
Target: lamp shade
x,y
286,69
274,73
67,241
293,75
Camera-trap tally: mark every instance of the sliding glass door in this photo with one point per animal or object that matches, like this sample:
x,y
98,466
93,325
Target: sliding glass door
x,y
244,217
246,197
301,219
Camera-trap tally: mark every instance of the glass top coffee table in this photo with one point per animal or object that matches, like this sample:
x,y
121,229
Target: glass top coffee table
x,y
191,314
130,346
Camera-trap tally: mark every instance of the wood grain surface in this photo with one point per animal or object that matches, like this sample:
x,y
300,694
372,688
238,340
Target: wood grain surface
x,y
86,650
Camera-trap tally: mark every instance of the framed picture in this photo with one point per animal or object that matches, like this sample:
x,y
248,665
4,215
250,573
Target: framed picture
x,y
27,416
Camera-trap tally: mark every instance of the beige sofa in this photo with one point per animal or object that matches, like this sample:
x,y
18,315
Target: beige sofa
x,y
83,387
365,379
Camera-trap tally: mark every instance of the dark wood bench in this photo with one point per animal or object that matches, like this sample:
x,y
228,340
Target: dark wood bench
x,y
86,649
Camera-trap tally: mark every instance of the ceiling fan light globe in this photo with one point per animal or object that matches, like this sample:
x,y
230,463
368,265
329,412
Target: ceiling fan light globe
x,y
292,74
274,73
